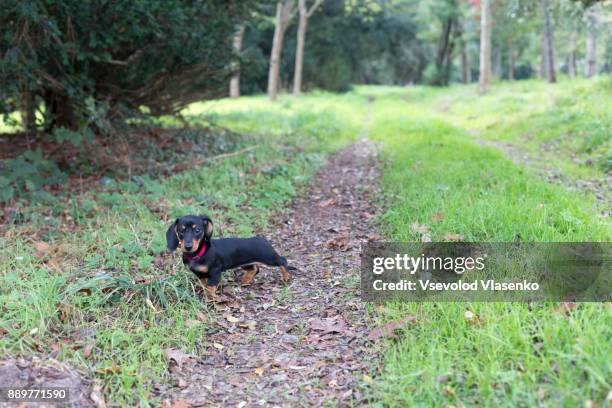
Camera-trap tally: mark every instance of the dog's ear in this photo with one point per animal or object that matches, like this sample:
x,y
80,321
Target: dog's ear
x,y
208,226
171,237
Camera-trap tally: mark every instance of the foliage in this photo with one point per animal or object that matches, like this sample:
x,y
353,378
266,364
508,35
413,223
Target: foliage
x,y
27,175
68,59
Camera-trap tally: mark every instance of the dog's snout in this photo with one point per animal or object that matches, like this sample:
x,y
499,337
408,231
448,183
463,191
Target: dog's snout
x,y
188,245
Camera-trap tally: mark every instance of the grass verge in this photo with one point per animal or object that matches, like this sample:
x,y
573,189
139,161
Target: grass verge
x,y
511,354
84,277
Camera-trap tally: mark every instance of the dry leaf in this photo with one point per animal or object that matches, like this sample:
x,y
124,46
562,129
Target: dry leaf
x,y
449,236
87,350
241,404
201,317
388,330
42,246
112,369
218,346
473,318
339,242
418,228
335,324
259,371
180,404
327,203
96,396
191,323
437,217
178,356
566,307
249,324
230,318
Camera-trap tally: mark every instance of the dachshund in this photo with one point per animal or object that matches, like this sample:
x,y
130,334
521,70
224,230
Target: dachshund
x,y
208,258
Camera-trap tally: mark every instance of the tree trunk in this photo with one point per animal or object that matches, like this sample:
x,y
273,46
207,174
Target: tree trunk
x,y
550,59
235,80
28,112
299,51
59,112
498,63
591,51
465,67
484,81
445,50
571,64
275,55
512,67
543,57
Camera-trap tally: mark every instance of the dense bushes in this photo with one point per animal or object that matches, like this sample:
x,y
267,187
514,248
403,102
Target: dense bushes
x,y
81,63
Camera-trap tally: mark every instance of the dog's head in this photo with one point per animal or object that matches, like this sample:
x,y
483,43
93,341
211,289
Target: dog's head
x,y
188,232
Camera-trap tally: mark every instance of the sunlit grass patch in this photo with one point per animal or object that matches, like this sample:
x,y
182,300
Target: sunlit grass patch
x,y
512,354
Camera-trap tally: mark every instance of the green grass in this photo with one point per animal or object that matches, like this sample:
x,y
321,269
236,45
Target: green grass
x,y
568,125
101,280
520,355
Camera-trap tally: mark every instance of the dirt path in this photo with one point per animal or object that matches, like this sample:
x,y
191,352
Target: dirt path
x,y
304,344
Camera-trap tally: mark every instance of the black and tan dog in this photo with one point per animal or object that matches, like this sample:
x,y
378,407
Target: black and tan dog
x,y
208,258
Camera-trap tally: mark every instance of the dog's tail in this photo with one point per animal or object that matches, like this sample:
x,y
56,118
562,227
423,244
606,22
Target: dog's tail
x,y
286,264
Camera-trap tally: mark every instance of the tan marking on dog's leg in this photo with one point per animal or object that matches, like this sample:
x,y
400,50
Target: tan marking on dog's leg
x,y
249,274
211,292
285,274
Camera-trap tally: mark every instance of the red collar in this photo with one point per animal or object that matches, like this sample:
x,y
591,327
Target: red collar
x,y
200,253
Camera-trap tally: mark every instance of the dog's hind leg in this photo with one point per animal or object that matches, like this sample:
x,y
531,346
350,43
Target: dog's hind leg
x,y
249,273
284,274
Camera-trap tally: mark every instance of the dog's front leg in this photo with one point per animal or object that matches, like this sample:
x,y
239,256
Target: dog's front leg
x,y
214,278
203,275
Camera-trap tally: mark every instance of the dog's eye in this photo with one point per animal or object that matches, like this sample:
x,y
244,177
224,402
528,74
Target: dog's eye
x,y
198,230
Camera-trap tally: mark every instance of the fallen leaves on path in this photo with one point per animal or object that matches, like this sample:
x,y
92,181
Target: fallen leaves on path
x,y
390,328
327,203
177,356
339,243
231,318
306,341
335,324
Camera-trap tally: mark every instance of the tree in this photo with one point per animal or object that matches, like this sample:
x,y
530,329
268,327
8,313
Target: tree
x,y
446,32
484,82
81,64
234,90
305,14
591,44
550,60
284,14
